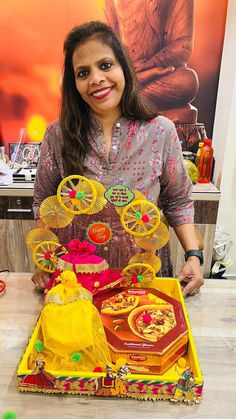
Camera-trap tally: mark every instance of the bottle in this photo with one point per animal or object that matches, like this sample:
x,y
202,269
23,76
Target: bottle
x,y
205,162
197,158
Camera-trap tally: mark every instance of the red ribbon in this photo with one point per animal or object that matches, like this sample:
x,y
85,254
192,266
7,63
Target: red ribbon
x,y
2,286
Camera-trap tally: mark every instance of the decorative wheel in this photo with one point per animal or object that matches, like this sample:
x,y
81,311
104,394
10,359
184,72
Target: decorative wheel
x,y
53,214
38,235
46,254
137,196
154,241
77,194
147,258
137,274
140,218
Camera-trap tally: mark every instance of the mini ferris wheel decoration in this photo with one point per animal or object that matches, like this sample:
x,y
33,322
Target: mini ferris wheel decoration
x,y
140,218
77,194
46,254
137,275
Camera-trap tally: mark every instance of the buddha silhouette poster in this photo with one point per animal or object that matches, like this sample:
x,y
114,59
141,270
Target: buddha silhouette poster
x,y
176,47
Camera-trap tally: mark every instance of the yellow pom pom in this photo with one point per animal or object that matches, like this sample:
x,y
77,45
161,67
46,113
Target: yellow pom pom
x,y
96,284
182,362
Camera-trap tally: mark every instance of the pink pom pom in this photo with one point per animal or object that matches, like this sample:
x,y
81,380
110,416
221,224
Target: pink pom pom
x,y
72,194
47,255
134,279
145,218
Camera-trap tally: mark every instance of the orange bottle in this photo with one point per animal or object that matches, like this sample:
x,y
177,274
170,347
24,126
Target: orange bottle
x,y
205,162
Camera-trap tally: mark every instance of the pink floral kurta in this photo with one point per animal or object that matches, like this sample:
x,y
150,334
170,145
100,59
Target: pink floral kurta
x,y
145,156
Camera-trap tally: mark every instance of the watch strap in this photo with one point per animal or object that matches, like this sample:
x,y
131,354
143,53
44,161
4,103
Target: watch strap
x,y
194,252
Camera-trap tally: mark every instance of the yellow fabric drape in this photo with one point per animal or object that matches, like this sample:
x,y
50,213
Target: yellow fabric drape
x,y
70,323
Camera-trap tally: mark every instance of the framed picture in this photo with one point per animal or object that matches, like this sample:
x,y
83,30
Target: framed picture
x,y
26,154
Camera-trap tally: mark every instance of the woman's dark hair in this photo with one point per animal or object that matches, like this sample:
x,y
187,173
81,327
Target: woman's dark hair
x,y
74,115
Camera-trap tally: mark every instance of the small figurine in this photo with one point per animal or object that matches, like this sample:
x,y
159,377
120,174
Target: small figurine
x,y
184,387
39,377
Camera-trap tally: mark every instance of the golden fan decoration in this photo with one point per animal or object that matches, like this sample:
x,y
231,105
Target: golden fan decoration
x,y
53,214
137,274
38,235
77,194
137,196
140,218
100,201
147,258
46,254
154,241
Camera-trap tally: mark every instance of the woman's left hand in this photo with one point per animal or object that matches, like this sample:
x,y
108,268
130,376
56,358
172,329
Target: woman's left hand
x,y
191,275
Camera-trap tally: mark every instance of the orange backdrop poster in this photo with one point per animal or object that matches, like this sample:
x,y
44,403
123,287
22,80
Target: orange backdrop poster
x,y
31,41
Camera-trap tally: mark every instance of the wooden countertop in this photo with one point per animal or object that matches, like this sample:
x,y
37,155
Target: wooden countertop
x,y
201,191
213,319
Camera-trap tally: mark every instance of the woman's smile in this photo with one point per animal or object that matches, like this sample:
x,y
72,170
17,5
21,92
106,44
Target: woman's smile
x,y
101,93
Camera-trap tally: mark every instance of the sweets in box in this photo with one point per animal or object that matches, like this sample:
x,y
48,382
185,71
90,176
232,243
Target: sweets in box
x,y
140,344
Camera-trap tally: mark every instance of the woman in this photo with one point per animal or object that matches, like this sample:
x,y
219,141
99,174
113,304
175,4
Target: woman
x,y
107,132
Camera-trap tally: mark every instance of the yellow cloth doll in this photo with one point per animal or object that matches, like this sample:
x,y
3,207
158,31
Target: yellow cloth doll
x,y
71,329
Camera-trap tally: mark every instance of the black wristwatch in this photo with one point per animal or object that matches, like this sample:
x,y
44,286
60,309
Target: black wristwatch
x,y
194,252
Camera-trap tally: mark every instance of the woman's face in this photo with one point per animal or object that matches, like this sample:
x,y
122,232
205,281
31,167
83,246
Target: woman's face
x,y
99,77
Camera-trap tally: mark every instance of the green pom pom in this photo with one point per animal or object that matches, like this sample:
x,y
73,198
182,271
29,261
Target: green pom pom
x,y
138,215
140,278
76,357
79,195
39,346
9,415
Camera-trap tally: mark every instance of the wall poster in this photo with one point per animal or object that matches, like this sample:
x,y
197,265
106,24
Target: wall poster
x,y
177,56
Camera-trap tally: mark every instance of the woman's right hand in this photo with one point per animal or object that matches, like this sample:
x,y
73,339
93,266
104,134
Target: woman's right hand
x,y
40,279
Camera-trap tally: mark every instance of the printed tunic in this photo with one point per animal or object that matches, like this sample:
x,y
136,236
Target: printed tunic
x,y
144,155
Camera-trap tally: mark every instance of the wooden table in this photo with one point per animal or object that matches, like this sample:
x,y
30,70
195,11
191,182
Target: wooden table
x,y
213,319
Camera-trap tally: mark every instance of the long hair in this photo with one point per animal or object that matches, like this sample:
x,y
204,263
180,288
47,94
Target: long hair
x,y
75,114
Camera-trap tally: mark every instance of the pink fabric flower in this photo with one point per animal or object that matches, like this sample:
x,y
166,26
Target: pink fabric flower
x,y
80,248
